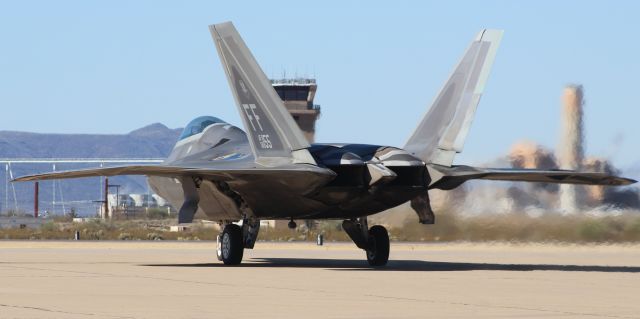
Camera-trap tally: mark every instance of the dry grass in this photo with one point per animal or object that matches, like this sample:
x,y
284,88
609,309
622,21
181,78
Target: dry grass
x,y
111,230
449,227
524,228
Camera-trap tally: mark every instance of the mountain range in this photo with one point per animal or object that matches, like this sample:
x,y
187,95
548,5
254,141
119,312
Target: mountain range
x,y
152,141
155,140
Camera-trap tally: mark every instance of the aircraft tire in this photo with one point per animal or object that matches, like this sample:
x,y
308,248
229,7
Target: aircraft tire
x,y
378,253
219,247
231,246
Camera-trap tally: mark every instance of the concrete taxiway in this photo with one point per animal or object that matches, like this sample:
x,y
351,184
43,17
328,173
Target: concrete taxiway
x,y
301,280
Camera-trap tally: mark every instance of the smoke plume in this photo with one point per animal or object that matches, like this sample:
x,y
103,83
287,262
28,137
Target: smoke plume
x,y
535,199
527,154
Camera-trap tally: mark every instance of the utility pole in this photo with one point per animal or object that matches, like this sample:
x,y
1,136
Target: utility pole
x,y
36,194
106,198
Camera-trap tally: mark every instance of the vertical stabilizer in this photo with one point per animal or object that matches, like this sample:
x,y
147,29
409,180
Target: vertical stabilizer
x,y
443,130
272,132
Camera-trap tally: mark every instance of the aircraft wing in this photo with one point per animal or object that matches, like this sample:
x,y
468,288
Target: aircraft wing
x,y
186,175
445,177
220,174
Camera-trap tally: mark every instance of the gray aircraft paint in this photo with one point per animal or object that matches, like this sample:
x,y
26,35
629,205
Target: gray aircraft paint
x,y
442,131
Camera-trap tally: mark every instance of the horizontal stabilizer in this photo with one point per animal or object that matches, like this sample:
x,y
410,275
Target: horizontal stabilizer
x,y
445,177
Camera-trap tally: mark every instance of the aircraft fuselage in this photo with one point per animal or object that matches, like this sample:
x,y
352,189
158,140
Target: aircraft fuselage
x,y
368,179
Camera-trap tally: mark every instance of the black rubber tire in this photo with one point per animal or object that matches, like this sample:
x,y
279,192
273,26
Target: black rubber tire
x,y
378,254
231,244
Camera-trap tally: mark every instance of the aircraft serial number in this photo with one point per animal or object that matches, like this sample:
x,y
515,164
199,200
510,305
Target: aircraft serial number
x,y
264,141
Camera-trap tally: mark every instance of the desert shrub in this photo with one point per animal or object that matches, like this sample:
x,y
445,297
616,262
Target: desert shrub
x,y
157,213
125,236
154,236
593,231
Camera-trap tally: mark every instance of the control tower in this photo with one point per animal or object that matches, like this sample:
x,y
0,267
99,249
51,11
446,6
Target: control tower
x,y
297,95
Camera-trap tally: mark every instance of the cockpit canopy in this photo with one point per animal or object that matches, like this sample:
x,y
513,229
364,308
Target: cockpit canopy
x,y
198,125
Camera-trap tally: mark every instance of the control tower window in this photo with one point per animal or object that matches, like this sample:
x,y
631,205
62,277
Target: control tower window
x,y
292,93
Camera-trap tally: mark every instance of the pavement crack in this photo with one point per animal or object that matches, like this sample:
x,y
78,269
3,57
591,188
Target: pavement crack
x,y
62,312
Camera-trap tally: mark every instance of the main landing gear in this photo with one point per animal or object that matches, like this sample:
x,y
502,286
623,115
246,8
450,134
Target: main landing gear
x,y
230,247
234,239
374,240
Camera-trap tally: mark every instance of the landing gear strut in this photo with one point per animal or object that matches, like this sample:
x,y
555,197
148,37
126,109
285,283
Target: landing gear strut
x,y
374,241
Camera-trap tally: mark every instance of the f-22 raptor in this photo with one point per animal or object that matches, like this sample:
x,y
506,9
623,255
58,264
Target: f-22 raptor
x,y
270,171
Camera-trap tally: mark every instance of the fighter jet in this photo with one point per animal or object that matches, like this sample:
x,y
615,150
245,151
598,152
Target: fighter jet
x,y
269,171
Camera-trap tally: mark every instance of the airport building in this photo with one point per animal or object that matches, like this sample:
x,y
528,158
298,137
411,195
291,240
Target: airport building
x,y
132,205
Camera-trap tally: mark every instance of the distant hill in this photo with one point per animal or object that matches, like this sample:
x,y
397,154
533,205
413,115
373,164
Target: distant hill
x,y
155,140
152,141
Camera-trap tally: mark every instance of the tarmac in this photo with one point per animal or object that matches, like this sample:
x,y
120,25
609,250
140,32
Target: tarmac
x,y
91,279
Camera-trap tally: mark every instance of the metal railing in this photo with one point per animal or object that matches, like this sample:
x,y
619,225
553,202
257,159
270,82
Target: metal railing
x,y
80,160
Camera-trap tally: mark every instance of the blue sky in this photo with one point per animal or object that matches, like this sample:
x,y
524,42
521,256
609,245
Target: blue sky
x,y
114,66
